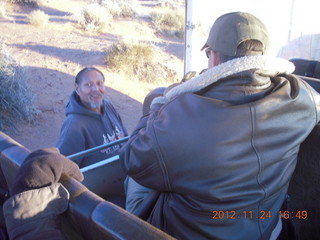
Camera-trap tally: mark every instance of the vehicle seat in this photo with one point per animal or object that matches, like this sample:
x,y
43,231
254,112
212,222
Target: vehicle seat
x,y
304,189
307,68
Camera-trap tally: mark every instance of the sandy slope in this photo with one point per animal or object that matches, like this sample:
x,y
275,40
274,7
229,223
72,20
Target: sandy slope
x,y
52,55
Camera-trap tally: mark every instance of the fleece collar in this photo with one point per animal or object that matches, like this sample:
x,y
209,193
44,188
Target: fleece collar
x,y
266,65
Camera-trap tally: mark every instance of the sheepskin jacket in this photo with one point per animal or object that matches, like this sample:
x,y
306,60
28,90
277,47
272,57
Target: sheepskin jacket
x,y
221,149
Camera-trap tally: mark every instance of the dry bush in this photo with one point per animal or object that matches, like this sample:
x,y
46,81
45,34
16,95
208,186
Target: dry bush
x,y
121,8
38,18
3,13
137,61
93,18
167,4
29,3
169,21
16,101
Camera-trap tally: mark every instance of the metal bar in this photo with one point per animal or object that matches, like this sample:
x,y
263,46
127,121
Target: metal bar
x,y
95,149
99,164
189,26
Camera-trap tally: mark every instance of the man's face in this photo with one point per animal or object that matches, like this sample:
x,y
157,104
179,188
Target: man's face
x,y
91,90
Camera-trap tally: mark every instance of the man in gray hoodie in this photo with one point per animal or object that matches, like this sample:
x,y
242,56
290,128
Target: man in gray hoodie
x,y
91,119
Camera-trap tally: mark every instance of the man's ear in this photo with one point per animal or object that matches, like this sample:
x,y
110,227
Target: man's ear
x,y
216,60
76,88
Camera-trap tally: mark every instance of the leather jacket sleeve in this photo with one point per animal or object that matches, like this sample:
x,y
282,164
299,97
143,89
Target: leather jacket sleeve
x,y
316,98
34,214
141,157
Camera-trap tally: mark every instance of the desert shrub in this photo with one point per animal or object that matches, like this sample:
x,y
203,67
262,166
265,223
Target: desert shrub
x,y
169,21
93,17
121,8
16,101
30,3
167,4
38,18
3,13
137,61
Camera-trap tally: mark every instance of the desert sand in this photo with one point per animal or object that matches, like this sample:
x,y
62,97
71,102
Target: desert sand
x,y
52,55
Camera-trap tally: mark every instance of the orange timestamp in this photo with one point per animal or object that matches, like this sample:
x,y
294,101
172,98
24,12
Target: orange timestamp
x,y
232,214
303,214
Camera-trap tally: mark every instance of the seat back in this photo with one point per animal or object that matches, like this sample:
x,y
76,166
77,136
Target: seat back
x,y
308,68
304,188
104,178
313,82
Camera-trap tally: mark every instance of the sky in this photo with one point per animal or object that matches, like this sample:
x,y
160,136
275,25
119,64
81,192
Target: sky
x,y
286,20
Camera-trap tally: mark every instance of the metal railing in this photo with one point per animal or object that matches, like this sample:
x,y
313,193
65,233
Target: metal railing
x,y
95,149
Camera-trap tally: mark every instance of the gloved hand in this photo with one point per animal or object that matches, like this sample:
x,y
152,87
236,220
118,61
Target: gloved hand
x,y
42,168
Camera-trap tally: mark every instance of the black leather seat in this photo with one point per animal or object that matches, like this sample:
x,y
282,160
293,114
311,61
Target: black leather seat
x,y
307,68
304,189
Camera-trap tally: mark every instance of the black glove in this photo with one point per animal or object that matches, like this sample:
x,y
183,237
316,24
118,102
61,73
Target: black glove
x,y
42,168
